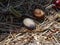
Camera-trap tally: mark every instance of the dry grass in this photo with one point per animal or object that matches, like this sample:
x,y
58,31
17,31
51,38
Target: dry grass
x,y
46,33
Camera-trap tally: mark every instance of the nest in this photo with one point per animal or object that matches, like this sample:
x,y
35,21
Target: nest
x,y
12,12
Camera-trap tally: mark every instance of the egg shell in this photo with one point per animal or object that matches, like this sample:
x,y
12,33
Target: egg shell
x,y
29,23
38,13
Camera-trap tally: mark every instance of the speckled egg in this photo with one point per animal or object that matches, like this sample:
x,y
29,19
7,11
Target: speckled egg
x,y
29,23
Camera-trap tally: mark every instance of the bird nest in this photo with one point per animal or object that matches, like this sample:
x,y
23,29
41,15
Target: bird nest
x,y
12,13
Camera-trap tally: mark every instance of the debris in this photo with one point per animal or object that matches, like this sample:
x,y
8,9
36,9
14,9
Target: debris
x,y
57,4
50,6
14,12
29,22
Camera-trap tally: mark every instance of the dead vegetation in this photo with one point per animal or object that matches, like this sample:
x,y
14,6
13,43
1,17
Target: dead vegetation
x,y
13,32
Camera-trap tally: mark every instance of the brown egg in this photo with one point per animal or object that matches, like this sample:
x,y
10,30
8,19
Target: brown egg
x,y
38,13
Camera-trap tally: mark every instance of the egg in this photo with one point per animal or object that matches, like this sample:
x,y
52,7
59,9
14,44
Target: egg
x,y
38,13
29,23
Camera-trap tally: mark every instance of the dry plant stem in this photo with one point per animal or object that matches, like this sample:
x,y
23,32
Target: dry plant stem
x,y
14,12
21,37
49,23
8,40
19,4
9,24
2,4
55,39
